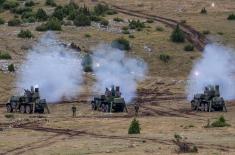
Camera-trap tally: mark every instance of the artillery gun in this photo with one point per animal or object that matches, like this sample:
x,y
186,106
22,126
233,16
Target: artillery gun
x,y
111,101
209,101
28,103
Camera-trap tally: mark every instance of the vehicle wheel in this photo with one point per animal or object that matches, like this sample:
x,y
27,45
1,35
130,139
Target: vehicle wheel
x,y
22,109
9,108
28,109
193,107
206,107
106,108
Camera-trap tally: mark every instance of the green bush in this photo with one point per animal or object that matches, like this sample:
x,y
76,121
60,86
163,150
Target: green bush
x,y
165,58
121,43
117,19
125,32
82,20
125,28
95,18
203,11
21,10
11,68
29,3
87,35
50,3
9,116
5,55
14,22
206,32
189,47
134,127
101,9
131,36
183,146
41,15
159,28
2,21
53,24
28,17
231,17
111,12
220,122
87,63
25,34
59,13
136,24
104,22
177,35
149,20
10,4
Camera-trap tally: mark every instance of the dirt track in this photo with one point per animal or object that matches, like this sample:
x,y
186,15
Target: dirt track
x,y
192,35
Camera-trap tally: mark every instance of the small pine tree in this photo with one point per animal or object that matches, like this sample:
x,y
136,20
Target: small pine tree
x,y
11,68
2,21
82,20
203,11
121,43
134,127
50,3
59,13
25,34
41,15
231,17
14,22
178,35
87,63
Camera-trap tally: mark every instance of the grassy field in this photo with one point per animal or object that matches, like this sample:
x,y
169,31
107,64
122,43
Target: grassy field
x,y
163,113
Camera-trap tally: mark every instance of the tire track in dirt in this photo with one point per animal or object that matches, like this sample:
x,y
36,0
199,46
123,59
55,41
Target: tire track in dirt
x,y
192,35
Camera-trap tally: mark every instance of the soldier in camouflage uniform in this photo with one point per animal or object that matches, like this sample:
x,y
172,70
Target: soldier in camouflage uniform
x,y
74,109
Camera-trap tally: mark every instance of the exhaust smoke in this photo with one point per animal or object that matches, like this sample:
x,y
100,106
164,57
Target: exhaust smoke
x,y
216,67
112,67
52,67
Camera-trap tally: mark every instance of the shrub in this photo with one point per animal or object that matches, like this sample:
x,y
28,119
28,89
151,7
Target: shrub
x,y
136,24
177,35
117,19
87,63
5,55
149,20
189,47
183,146
29,3
50,3
231,17
165,58
104,22
11,68
220,122
25,34
125,28
206,32
101,9
10,4
159,28
125,32
134,127
82,20
87,35
220,33
121,43
41,15
131,36
203,11
53,24
59,13
95,18
2,21
14,22
21,10
111,12
9,116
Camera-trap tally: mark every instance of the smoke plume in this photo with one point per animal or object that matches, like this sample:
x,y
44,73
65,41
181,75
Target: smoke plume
x,y
54,68
112,67
216,67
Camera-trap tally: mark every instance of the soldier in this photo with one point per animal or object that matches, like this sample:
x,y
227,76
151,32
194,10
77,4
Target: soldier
x,y
113,91
117,92
74,109
107,92
137,107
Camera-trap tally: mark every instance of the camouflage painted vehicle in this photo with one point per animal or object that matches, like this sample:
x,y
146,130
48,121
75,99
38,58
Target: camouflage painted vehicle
x,y
110,102
28,103
209,101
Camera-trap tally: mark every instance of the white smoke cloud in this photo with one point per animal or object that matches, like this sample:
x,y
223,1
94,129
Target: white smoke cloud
x,y
55,69
216,67
112,67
